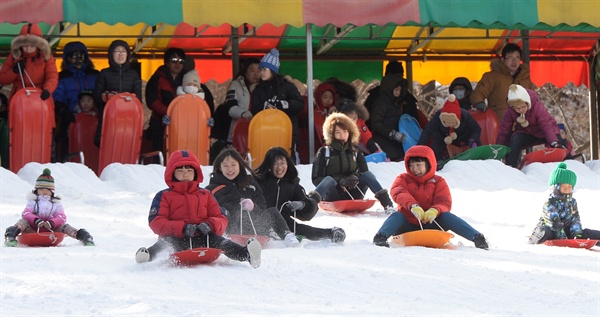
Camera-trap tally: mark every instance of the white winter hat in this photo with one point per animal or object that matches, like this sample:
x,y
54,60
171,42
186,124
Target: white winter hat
x,y
191,77
517,95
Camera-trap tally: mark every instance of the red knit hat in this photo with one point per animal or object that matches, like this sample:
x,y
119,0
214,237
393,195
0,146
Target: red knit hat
x,y
450,113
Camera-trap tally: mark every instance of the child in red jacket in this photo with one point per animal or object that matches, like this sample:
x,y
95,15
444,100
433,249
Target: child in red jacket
x,y
185,215
423,197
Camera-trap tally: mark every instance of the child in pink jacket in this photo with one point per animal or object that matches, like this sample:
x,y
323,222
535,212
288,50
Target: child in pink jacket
x,y
44,213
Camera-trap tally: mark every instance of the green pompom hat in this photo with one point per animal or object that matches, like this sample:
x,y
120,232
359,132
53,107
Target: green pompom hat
x,y
45,180
561,175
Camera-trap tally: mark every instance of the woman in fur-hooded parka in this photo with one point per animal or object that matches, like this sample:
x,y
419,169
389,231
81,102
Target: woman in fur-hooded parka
x,y
40,68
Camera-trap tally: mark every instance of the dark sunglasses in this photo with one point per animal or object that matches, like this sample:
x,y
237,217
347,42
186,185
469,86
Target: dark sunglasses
x,y
78,56
175,60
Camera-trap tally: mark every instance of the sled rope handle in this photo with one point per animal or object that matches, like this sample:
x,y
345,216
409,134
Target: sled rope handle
x,y
249,217
21,72
280,209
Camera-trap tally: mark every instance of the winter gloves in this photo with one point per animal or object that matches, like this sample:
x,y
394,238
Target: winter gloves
x,y
397,136
481,106
19,65
424,216
44,224
430,215
45,94
295,205
166,120
417,211
247,204
557,145
349,182
276,103
192,230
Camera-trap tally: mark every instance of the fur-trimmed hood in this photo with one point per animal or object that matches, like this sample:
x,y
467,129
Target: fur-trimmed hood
x,y
343,121
30,34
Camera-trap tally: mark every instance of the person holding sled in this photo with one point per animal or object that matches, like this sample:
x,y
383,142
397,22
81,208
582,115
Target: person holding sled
x,y
278,179
186,216
424,201
340,170
234,186
44,213
560,215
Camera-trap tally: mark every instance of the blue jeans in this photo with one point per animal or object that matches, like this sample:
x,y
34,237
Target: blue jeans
x,y
397,224
330,192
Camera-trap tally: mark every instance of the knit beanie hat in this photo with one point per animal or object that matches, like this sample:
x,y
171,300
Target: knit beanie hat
x,y
191,77
450,112
45,180
271,61
561,175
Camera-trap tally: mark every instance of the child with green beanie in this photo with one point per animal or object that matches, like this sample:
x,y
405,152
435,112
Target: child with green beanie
x,y
560,217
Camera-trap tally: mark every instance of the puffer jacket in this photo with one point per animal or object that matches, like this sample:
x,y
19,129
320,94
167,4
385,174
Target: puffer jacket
x,y
40,68
541,123
184,202
386,113
117,78
494,84
561,215
428,191
342,161
464,103
72,80
45,208
278,191
161,90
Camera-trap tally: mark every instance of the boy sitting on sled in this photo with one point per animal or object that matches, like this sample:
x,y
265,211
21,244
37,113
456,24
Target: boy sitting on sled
x,y
560,216
423,199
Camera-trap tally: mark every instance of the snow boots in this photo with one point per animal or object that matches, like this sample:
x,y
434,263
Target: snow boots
x,y
290,240
254,250
381,240
85,237
540,234
480,241
142,255
338,235
10,236
385,201
315,196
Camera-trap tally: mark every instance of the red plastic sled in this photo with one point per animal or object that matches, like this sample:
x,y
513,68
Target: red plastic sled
x,y
423,238
41,239
122,128
572,243
268,128
81,139
243,239
489,123
358,205
547,155
31,121
189,128
196,256
240,136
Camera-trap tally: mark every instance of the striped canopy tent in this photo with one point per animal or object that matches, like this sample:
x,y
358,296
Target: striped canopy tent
x,y
350,38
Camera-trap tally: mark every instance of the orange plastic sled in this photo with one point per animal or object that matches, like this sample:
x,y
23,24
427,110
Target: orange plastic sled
x,y
240,136
189,128
547,155
423,238
31,121
572,243
122,128
358,205
196,256
268,128
41,239
81,139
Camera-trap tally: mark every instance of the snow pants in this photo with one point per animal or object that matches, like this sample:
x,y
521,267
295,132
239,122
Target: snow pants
x,y
397,224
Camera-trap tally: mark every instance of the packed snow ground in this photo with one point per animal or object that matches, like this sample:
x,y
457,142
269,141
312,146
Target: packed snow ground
x,y
318,278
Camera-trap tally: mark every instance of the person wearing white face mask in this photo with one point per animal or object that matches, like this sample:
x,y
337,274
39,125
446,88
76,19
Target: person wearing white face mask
x,y
461,88
191,84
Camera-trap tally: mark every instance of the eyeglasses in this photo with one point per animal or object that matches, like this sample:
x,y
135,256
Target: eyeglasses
x,y
517,59
120,52
176,60
78,56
